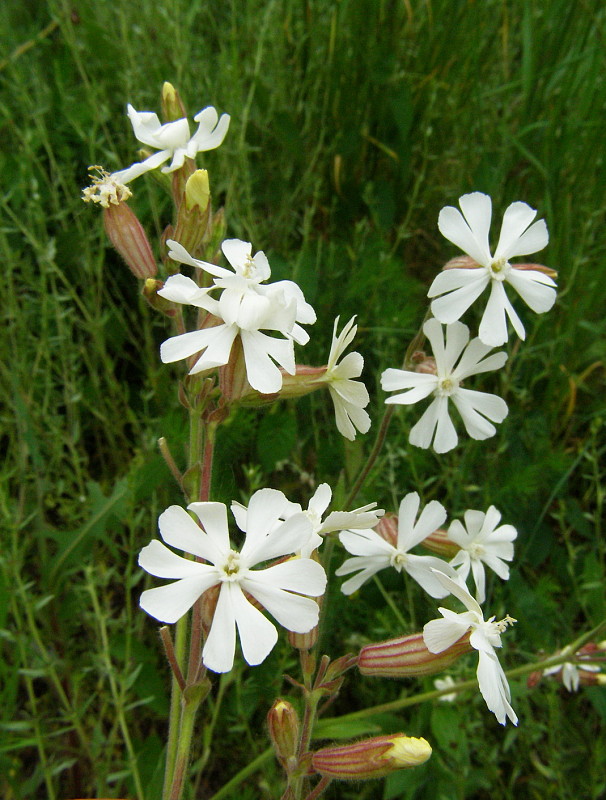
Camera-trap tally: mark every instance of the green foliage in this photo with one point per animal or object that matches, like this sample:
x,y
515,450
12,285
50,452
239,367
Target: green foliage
x,y
353,123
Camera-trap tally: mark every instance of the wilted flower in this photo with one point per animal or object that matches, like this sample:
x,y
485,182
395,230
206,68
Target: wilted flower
x,y
173,139
475,408
460,287
373,553
482,542
440,634
278,588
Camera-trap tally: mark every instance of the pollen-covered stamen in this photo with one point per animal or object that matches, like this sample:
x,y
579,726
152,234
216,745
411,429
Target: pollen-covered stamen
x,y
498,269
502,624
231,567
249,270
446,386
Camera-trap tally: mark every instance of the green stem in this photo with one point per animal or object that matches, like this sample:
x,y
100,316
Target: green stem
x,y
374,453
188,718
249,769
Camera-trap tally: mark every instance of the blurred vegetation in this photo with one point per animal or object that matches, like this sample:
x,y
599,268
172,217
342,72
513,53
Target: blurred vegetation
x,y
353,123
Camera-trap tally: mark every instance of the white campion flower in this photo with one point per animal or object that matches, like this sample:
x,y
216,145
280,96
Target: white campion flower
x,y
277,588
476,408
456,289
349,397
247,281
173,139
572,673
482,542
373,553
440,634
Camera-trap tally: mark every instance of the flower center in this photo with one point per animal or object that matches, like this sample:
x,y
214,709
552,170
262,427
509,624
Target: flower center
x,y
315,519
498,269
231,568
249,269
398,559
446,386
476,550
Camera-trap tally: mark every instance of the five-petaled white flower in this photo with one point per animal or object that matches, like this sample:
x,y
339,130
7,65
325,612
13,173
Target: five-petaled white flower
x,y
173,139
278,588
572,673
475,408
482,542
349,397
456,289
440,634
373,553
245,307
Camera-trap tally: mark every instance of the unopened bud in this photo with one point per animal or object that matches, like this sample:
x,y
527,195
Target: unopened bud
x,y
193,214
283,724
303,641
408,657
440,544
172,105
150,293
126,234
371,758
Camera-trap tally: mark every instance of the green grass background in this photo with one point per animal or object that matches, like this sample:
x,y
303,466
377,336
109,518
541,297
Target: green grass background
x,y
353,123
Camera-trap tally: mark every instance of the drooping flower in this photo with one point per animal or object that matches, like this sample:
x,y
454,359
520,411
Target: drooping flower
x,y
173,140
456,289
277,588
373,553
476,408
440,634
571,674
482,542
349,397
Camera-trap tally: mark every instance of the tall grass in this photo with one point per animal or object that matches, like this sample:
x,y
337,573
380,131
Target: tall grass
x,y
353,123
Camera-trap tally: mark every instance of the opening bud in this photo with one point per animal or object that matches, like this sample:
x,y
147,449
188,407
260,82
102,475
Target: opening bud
x,y
193,214
408,657
371,758
283,724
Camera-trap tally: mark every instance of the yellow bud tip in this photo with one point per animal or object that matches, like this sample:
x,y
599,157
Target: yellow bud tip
x,y
408,751
168,92
601,679
197,190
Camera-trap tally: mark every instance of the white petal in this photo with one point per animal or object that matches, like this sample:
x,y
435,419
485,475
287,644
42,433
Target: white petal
x,y
453,226
460,592
285,539
301,575
493,327
516,219
494,688
293,612
210,133
368,567
473,362
257,634
422,570
407,513
262,373
446,436
421,434
179,530
158,560
265,508
169,603
536,293
213,517
440,634
533,240
321,498
432,517
220,645
452,305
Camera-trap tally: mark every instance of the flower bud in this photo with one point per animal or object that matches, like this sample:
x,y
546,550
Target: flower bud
x,y
388,528
172,105
126,234
283,724
408,657
192,218
150,293
440,544
371,758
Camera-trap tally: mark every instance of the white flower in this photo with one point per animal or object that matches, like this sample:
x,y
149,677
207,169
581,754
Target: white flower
x,y
373,553
349,397
246,306
278,588
475,408
440,634
571,673
481,542
173,139
247,281
446,683
460,287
